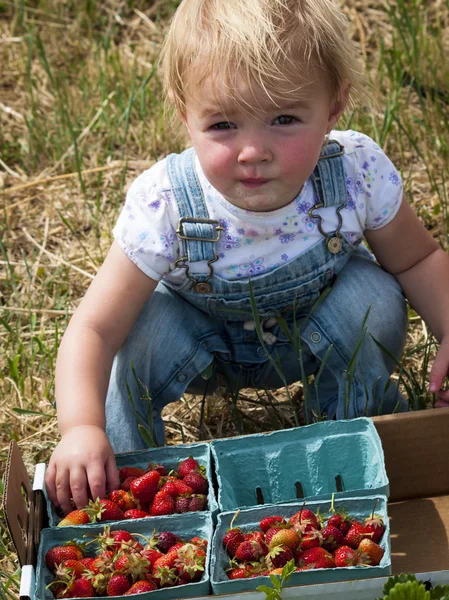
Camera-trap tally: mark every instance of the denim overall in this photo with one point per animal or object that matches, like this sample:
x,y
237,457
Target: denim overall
x,y
334,293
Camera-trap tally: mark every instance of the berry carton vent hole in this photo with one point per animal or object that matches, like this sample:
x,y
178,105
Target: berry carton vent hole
x,y
334,457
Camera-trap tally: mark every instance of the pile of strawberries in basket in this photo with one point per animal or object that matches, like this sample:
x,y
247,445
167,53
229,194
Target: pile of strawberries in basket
x,y
148,492
308,540
125,564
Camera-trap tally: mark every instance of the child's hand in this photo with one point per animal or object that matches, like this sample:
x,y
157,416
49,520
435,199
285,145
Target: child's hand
x,y
82,466
438,374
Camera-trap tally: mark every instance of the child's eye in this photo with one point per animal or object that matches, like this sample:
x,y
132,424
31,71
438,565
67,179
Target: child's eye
x,y
285,120
222,125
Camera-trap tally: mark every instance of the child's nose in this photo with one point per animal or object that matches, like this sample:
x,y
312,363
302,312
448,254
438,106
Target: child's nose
x,y
254,151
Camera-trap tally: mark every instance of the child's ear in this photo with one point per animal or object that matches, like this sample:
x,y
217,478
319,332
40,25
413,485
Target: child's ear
x,y
338,105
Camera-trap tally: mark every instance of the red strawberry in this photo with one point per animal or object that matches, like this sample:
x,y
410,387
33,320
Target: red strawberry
x,y
237,573
103,510
187,465
141,586
135,513
197,482
164,570
271,533
163,504
124,500
197,502
87,563
200,542
374,525
343,556
316,558
126,485
175,487
232,540
151,555
285,537
70,568
341,521
371,552
57,554
305,517
278,557
268,522
80,588
190,562
125,472
118,585
311,538
355,535
144,488
250,551
103,562
132,565
332,538
76,517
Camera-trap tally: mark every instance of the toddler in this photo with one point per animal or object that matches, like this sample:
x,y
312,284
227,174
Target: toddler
x,y
269,206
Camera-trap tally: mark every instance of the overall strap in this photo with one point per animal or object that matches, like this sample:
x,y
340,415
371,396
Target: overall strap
x,y
196,232
329,181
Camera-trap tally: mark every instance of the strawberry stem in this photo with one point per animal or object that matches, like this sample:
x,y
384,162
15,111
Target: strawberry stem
x,y
234,518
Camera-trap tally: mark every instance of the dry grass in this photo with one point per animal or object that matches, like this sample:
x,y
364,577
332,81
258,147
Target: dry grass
x,y
81,116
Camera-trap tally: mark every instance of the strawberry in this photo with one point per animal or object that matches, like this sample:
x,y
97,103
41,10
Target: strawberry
x,y
316,558
157,467
343,556
190,563
271,533
164,570
103,510
182,504
305,517
132,565
200,542
126,485
141,586
103,562
144,488
126,472
278,557
175,487
268,522
165,540
135,513
151,555
232,540
285,537
124,500
341,521
197,481
57,554
374,526
237,573
355,535
332,538
118,585
76,517
187,465
197,502
163,504
311,538
80,588
372,553
69,568
250,551
87,563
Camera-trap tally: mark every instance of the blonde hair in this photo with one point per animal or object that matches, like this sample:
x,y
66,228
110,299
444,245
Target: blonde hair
x,y
268,43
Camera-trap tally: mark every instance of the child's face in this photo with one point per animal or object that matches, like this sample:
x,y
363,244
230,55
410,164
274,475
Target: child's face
x,y
259,158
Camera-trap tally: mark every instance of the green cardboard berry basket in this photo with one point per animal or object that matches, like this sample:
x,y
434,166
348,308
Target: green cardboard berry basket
x,y
186,526
344,458
249,519
169,457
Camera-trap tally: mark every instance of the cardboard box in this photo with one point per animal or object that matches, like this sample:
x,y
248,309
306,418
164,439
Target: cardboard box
x,y
416,449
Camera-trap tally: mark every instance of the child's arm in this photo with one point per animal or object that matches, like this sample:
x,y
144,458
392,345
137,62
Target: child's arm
x,y
83,459
407,250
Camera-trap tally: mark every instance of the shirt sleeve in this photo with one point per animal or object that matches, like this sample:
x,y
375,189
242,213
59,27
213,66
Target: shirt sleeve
x,y
145,228
374,186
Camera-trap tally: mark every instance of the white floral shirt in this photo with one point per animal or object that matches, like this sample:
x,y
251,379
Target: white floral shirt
x,y
257,242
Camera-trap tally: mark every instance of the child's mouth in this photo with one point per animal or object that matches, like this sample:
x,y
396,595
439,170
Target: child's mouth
x,y
254,182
